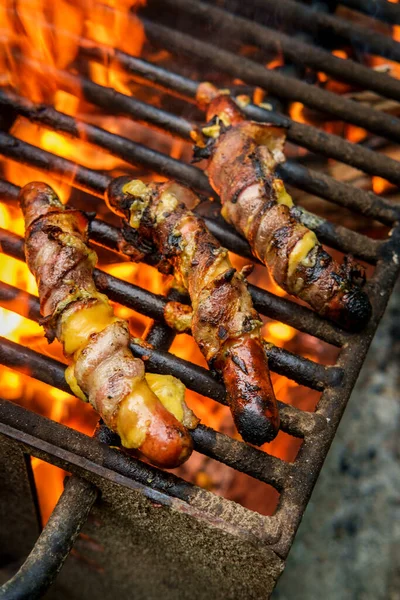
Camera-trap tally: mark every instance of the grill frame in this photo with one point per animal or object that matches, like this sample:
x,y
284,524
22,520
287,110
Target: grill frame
x,y
294,481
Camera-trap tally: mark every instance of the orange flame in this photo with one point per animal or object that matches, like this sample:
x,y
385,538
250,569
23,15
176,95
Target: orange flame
x,y
296,112
49,33
380,185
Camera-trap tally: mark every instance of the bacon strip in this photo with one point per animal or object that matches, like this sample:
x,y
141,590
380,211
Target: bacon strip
x,y
224,323
242,157
103,370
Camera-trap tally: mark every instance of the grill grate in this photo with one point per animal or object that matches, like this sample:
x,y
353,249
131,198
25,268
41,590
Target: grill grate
x,y
84,456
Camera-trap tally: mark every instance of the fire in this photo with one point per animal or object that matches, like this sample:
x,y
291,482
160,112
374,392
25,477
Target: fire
x,y
27,30
296,112
278,61
258,95
111,24
383,63
340,54
50,33
355,134
279,333
380,185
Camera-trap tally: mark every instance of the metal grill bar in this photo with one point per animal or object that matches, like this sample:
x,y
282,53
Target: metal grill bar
x,y
254,462
302,370
51,549
95,461
96,183
115,102
275,83
304,17
304,135
379,9
353,198
230,26
293,173
265,302
76,452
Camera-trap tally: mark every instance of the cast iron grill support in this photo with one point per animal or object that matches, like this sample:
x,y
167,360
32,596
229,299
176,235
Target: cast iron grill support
x,y
54,543
83,456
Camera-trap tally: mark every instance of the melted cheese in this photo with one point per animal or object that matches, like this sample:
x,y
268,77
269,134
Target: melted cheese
x,y
301,250
73,384
282,197
170,391
78,326
135,415
135,188
140,192
168,204
213,131
136,410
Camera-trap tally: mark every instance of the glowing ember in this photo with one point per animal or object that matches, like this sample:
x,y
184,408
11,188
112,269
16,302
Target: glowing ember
x,y
296,112
279,333
380,185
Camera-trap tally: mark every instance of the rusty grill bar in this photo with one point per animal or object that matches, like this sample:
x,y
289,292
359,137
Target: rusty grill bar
x,y
88,458
379,9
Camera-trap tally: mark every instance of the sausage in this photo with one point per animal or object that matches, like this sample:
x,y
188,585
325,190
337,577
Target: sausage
x,y
224,323
102,369
242,158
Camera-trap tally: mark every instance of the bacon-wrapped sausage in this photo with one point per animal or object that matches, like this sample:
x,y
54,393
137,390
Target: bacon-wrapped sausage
x,y
242,156
224,323
103,370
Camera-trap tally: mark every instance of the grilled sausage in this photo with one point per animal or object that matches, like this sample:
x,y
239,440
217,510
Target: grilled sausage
x,y
224,323
103,370
242,157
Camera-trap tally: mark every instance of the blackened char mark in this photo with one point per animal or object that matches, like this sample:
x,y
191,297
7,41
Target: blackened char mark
x,y
116,198
143,245
322,262
280,238
351,309
249,390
